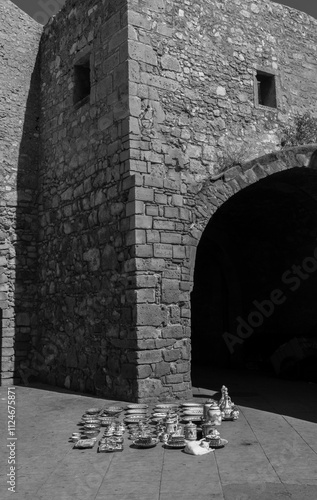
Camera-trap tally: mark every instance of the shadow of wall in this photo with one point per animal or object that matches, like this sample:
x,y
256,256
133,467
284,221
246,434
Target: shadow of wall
x,y
27,232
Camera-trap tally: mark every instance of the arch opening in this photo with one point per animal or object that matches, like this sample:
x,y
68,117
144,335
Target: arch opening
x,y
255,280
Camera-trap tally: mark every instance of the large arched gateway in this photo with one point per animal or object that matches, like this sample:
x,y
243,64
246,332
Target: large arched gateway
x,y
255,278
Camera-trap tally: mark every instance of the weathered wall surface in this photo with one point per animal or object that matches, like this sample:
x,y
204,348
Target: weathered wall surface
x,y
192,76
19,40
127,175
85,319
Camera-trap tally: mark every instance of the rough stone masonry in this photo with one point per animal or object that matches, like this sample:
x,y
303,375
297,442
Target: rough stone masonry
x,y
110,184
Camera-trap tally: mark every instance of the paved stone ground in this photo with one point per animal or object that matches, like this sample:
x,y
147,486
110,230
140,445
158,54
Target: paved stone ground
x,y
271,452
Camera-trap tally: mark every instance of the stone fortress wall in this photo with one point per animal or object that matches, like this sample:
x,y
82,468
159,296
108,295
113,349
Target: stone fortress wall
x,y
19,114
127,175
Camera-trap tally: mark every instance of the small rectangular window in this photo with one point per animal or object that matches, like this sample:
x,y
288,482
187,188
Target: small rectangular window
x,y
82,81
266,90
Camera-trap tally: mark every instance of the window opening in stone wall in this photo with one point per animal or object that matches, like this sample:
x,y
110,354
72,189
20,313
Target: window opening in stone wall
x,y
266,89
82,81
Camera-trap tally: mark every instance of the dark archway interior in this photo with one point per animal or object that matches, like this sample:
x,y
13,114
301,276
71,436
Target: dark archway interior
x,y
255,280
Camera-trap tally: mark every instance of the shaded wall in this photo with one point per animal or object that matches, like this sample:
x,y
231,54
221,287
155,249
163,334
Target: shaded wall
x,y
84,336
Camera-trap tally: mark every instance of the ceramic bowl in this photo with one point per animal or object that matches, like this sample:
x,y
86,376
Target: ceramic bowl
x,y
91,433
93,411
92,421
112,410
135,406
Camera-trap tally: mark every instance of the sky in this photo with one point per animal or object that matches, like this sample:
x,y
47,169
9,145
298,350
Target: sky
x,y
42,9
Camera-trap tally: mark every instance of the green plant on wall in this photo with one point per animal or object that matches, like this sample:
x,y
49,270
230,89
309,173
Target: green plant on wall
x,y
303,130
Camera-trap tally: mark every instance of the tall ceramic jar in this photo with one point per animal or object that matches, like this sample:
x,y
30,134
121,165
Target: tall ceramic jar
x,y
214,414
207,405
190,431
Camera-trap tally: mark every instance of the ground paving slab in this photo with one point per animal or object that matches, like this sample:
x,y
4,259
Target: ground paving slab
x,y
271,451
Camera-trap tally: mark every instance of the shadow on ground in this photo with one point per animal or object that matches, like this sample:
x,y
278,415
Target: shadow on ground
x,y
258,390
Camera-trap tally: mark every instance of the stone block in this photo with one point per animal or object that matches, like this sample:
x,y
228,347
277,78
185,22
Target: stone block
x,y
143,371
92,257
141,52
170,238
170,284
170,63
141,222
3,278
163,250
137,19
160,343
152,210
137,165
143,251
146,344
177,200
7,342
153,181
151,356
174,379
171,296
151,315
144,194
185,214
134,126
147,332
160,198
171,212
179,252
150,265
134,71
145,295
183,386
146,281
149,388
183,367
162,369
173,331
153,236
135,106
171,354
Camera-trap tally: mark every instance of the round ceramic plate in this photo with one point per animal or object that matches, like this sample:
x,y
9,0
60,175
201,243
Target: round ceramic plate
x,y
174,445
145,445
137,411
113,409
166,406
134,418
135,406
93,411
